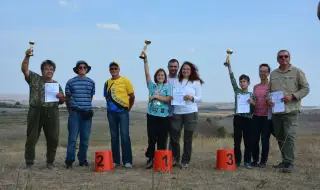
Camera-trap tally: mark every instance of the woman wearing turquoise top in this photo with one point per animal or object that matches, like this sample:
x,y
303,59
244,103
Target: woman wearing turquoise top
x,y
157,116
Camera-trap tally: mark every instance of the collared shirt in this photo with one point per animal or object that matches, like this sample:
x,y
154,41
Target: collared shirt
x,y
192,88
80,91
237,91
172,82
37,93
293,82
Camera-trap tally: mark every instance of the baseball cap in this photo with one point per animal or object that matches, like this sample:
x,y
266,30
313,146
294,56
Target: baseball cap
x,y
114,63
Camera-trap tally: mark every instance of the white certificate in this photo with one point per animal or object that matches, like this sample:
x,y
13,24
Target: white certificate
x,y
278,103
51,90
243,105
177,95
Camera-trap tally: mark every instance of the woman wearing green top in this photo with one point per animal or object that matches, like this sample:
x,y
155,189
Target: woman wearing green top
x,y
157,116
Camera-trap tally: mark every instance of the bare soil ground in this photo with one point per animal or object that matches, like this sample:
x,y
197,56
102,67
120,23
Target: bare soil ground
x,y
200,175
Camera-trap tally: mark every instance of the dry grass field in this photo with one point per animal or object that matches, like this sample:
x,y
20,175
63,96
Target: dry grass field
x,y
200,175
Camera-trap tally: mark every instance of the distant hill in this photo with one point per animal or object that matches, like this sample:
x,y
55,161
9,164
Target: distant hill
x,y
139,105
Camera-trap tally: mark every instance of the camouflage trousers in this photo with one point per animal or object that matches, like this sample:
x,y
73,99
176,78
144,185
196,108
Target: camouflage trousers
x,y
48,119
285,126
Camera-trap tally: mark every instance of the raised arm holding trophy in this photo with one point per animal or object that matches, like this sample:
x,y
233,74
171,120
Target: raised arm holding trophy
x,y
142,55
229,52
31,48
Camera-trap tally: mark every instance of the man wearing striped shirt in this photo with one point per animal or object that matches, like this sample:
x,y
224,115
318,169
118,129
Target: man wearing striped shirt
x,y
79,93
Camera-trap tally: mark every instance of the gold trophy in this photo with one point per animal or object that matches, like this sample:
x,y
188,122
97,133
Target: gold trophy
x,y
31,47
229,52
147,42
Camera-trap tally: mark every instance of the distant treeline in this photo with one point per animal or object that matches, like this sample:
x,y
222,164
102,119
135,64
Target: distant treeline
x,y
6,105
213,108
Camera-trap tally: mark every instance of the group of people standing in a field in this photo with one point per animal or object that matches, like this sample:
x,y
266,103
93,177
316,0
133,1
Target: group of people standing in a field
x,y
164,120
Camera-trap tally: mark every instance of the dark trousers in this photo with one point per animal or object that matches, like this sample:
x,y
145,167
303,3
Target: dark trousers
x,y
119,121
157,128
189,123
242,128
48,119
261,129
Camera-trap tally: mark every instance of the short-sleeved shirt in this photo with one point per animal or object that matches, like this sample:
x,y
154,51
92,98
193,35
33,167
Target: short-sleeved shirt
x,y
37,93
237,91
117,93
80,91
157,107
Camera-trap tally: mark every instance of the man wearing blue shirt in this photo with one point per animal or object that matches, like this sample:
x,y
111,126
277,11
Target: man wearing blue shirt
x,y
79,93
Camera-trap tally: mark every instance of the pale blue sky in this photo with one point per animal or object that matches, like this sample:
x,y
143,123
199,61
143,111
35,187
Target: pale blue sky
x,y
100,31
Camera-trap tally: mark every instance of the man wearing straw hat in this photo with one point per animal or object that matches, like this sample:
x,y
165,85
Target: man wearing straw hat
x,y
293,83
79,94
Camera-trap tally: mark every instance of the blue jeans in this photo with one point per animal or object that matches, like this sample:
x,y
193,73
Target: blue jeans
x,y
77,125
120,120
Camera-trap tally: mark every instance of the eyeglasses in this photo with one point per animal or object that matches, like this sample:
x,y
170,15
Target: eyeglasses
x,y
82,67
283,56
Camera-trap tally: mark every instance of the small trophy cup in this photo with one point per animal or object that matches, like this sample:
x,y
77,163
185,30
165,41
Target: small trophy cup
x,y
31,43
229,52
147,42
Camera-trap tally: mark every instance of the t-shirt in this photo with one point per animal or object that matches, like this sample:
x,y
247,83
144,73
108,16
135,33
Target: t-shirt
x,y
37,93
155,106
80,91
260,91
116,92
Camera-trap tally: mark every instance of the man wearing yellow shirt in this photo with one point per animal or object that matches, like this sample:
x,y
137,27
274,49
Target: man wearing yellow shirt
x,y
119,95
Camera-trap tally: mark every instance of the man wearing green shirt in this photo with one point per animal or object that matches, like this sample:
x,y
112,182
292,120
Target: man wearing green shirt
x,y
293,83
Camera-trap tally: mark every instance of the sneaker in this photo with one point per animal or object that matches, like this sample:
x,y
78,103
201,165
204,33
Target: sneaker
x,y
247,165
185,166
254,164
262,165
149,164
85,163
51,166
279,166
288,168
128,165
176,164
116,165
238,165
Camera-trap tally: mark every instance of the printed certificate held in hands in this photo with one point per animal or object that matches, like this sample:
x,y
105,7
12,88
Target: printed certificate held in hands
x,y
278,103
177,95
243,105
51,90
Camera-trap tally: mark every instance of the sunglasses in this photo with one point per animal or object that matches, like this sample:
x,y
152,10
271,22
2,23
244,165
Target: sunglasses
x,y
82,67
113,69
283,56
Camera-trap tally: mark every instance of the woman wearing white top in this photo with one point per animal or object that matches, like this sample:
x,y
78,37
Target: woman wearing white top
x,y
186,116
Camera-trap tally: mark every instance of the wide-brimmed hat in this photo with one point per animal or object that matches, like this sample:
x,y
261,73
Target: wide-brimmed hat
x,y
75,69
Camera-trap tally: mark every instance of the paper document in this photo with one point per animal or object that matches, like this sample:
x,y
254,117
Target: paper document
x,y
177,95
243,105
51,91
278,104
